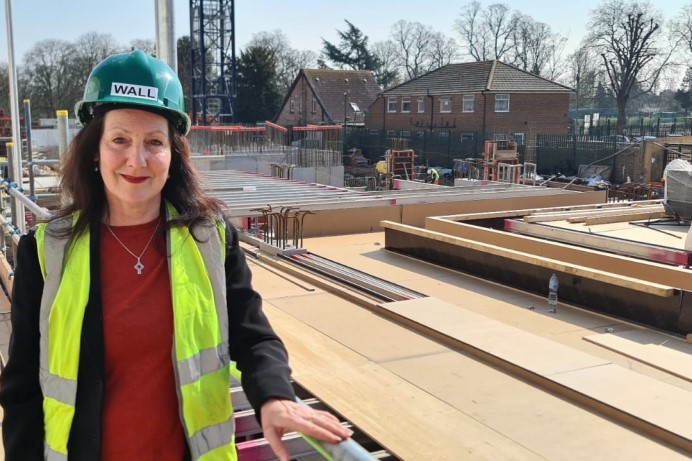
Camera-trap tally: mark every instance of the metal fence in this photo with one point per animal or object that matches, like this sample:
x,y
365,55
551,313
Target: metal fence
x,y
552,153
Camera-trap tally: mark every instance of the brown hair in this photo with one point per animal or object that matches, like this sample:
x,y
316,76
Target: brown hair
x,y
84,186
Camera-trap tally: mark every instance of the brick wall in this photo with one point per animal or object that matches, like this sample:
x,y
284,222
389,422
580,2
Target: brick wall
x,y
302,114
529,113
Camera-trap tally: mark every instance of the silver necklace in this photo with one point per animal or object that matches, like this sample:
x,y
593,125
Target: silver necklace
x,y
139,266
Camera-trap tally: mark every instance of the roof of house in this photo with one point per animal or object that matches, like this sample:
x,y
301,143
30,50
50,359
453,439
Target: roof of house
x,y
329,86
474,77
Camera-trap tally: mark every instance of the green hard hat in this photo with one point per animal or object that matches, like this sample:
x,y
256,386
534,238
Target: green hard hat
x,y
135,80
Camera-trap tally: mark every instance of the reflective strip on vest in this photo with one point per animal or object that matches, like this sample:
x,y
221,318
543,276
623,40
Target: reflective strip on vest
x,y
201,343
198,288
60,324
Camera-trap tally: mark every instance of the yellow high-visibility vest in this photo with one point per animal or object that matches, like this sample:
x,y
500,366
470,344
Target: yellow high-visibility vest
x,y
200,320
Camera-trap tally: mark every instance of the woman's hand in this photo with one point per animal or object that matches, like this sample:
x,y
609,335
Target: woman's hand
x,y
282,416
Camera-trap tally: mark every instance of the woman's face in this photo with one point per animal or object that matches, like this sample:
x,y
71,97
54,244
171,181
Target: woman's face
x,y
134,158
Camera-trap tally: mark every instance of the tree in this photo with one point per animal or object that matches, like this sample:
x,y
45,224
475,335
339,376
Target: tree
x,y
258,96
90,49
146,45
386,53
352,52
626,36
50,79
486,34
184,69
684,94
682,27
4,89
418,49
512,37
413,41
443,50
289,61
537,49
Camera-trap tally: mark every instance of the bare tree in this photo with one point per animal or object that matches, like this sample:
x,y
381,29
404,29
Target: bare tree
x,y
627,36
418,49
537,49
443,50
90,49
4,89
145,44
386,53
486,34
49,78
681,27
288,60
413,41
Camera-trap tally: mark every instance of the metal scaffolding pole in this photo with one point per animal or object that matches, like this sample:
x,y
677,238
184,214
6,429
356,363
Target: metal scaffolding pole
x,y
16,173
166,49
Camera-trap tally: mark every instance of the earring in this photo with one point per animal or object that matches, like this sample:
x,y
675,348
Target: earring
x,y
96,165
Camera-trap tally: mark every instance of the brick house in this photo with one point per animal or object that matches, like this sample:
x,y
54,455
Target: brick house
x,y
327,97
489,98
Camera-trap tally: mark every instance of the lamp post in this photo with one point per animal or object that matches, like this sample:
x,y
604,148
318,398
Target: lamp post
x,y
576,119
344,137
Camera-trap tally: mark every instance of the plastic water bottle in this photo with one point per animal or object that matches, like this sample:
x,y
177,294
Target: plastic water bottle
x,y
552,293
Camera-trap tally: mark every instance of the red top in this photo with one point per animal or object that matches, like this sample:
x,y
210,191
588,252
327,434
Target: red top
x,y
140,410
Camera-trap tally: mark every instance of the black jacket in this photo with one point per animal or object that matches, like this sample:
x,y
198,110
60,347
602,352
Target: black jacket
x,y
259,353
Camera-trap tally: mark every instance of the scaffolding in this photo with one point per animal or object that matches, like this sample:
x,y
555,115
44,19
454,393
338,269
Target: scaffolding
x,y
212,55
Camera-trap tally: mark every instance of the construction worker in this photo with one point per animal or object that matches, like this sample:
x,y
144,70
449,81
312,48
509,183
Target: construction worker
x,y
123,345
434,176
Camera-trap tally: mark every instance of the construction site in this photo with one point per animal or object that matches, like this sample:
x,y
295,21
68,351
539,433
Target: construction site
x,y
419,313
481,312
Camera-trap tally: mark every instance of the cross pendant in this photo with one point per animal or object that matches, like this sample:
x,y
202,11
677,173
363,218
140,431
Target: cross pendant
x,y
138,267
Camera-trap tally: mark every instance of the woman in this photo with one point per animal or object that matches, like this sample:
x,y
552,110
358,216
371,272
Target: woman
x,y
130,303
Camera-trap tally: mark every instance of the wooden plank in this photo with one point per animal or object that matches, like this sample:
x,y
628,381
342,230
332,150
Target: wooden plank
x,y
406,420
625,217
655,352
656,289
562,216
663,414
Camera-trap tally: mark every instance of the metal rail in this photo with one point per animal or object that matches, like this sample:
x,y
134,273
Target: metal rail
x,y
353,278
251,444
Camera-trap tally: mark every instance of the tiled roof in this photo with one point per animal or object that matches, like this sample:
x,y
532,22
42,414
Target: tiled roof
x,y
329,85
474,77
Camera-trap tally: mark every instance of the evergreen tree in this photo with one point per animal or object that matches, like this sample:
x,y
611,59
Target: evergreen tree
x,y
353,52
684,94
258,97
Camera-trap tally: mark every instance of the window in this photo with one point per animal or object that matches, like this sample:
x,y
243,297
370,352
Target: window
x,y
519,138
314,105
501,103
391,104
467,103
391,133
421,104
405,134
293,105
406,104
445,104
466,137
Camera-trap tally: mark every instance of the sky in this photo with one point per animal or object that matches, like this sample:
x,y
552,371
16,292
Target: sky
x,y
303,22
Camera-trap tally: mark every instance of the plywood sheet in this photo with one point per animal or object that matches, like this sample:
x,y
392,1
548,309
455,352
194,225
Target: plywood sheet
x,y
533,353
405,419
553,428
356,328
650,348
665,406
660,404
